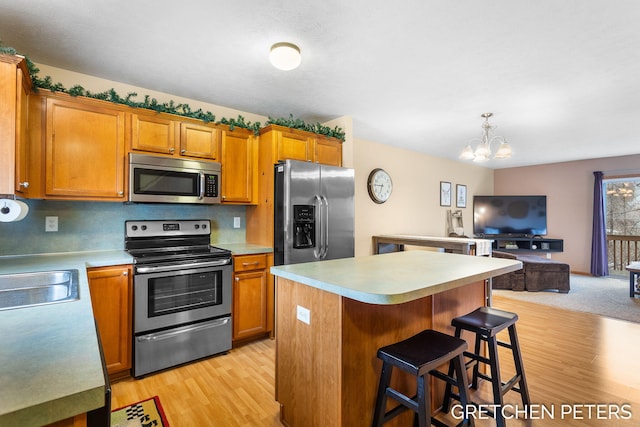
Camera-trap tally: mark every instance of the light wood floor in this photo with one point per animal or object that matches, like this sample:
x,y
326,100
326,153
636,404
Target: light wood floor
x,y
571,358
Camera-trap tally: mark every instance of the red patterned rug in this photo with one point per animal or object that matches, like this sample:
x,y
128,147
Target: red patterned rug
x,y
147,412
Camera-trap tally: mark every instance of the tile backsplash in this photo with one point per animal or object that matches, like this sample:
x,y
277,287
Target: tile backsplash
x,y
88,226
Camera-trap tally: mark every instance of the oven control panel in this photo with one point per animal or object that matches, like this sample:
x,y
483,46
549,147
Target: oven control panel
x,y
150,228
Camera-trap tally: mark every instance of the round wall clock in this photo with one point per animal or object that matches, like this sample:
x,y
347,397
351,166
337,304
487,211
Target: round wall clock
x,y
379,185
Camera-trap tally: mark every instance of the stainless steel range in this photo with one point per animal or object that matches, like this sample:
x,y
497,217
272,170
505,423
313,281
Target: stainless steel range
x,y
182,293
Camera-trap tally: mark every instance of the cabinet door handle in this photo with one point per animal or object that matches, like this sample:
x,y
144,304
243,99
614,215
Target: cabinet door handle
x,y
183,151
247,264
24,184
125,273
171,150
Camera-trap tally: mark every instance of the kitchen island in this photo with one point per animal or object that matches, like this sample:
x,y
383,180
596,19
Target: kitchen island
x,y
332,316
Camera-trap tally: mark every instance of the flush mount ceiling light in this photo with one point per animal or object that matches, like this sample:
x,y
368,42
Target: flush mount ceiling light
x,y
285,56
482,153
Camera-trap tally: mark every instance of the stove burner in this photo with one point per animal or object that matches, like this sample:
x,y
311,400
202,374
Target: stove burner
x,y
171,242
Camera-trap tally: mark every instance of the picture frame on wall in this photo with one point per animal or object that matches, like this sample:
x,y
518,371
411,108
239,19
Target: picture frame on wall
x,y
461,196
445,193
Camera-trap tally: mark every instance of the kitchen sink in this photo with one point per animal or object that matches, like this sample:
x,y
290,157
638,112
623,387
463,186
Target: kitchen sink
x,y
45,287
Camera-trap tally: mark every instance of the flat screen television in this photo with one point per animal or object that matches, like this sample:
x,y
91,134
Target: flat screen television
x,y
517,216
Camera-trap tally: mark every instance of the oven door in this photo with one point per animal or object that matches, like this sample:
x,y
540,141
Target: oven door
x,y
172,298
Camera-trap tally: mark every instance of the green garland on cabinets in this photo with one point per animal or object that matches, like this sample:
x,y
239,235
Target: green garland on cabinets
x,y
170,107
317,128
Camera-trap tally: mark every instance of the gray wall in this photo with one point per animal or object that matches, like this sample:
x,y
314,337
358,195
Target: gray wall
x,y
86,226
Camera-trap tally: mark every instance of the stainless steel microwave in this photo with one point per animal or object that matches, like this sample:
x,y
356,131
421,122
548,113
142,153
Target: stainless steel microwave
x,y
155,179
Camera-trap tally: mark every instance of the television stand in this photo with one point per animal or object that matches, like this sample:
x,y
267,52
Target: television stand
x,y
526,244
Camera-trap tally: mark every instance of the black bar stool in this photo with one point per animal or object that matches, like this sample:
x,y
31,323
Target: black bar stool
x,y
420,355
486,322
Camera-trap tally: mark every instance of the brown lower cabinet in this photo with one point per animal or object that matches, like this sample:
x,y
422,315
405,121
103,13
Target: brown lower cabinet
x,y
111,298
77,421
252,297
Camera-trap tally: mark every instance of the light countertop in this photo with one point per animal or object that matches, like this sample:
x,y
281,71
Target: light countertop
x,y
50,367
395,278
243,248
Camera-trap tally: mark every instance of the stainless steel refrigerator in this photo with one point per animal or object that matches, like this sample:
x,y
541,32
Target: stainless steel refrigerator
x,y
313,212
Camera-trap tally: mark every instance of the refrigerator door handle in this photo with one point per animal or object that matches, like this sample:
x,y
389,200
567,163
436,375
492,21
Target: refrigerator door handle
x,y
325,227
317,252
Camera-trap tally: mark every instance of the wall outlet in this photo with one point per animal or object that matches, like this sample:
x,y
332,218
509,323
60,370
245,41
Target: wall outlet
x,y
303,314
50,223
236,222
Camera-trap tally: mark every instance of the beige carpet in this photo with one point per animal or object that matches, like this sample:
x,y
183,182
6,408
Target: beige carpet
x,y
605,296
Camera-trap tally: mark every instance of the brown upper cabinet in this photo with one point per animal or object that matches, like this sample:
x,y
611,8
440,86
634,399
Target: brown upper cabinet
x,y
15,85
293,144
201,141
239,166
84,152
156,133
328,151
153,133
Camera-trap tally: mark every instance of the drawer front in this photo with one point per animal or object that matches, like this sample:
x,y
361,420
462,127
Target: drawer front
x,y
249,262
168,348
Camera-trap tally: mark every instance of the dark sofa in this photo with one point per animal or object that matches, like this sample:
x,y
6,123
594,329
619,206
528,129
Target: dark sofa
x,y
537,274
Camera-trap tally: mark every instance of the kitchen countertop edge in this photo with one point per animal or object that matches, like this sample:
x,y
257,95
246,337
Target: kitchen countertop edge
x,y
397,277
243,248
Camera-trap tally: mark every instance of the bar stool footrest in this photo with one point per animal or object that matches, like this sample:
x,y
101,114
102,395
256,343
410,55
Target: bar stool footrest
x,y
408,403
444,377
505,344
476,358
510,385
505,386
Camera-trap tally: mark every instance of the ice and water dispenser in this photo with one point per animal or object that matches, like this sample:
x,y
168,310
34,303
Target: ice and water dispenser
x,y
304,226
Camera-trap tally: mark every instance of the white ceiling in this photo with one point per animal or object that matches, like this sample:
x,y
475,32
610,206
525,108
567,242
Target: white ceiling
x,y
561,77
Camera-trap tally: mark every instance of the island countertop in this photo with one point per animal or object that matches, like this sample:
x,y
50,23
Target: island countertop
x,y
395,278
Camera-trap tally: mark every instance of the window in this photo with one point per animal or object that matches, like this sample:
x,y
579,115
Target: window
x,y
622,211
622,206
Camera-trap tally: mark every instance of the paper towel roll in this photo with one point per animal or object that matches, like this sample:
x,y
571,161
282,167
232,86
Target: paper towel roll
x,y
12,210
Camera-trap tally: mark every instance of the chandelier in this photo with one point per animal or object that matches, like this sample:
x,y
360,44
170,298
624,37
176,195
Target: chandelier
x,y
617,191
482,153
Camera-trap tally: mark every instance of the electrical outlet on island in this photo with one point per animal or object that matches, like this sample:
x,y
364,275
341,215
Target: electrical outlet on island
x,y
50,223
